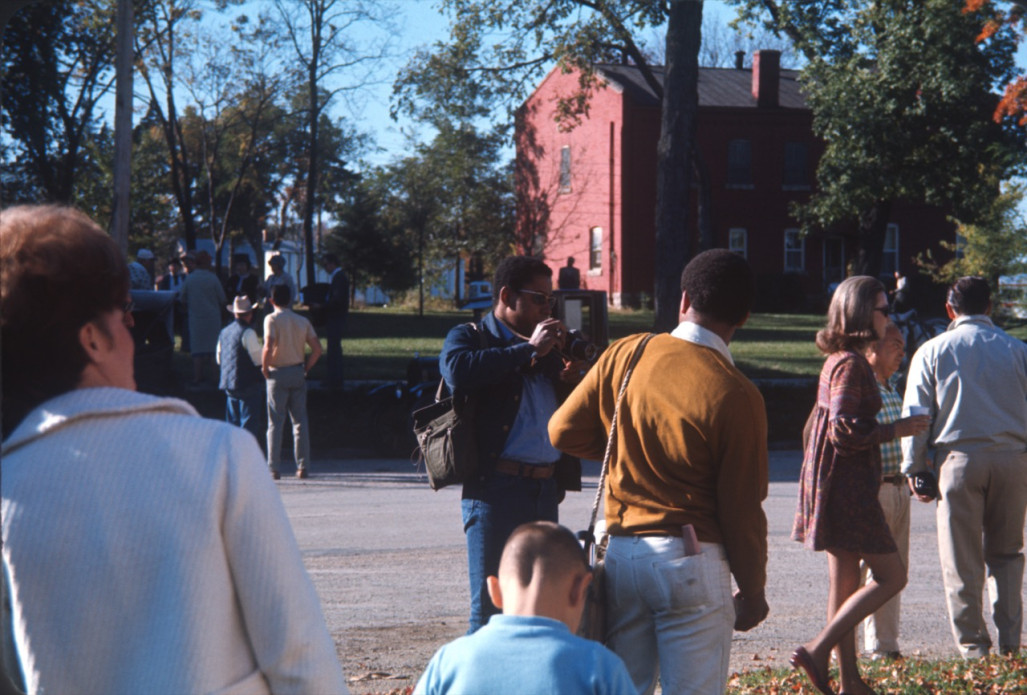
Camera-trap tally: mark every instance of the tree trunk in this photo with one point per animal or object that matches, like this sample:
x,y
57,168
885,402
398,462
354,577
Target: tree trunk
x,y
674,161
123,125
873,225
312,165
702,175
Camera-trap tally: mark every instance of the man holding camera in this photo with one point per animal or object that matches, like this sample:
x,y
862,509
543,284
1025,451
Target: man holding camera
x,y
511,360
972,380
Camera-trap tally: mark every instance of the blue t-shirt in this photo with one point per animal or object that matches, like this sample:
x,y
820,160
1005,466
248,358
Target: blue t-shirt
x,y
526,655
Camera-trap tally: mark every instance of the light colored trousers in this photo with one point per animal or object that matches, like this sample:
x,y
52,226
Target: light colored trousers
x,y
670,616
980,525
287,395
881,629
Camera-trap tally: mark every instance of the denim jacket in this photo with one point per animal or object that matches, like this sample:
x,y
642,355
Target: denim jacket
x,y
495,374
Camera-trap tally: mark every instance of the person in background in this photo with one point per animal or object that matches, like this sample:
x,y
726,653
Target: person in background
x,y
239,356
972,380
685,485
203,297
243,281
174,278
570,277
285,366
881,629
141,270
279,276
838,509
336,309
145,550
531,648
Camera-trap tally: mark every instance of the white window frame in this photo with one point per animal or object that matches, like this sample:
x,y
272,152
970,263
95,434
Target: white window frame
x,y
595,249
734,234
790,251
565,169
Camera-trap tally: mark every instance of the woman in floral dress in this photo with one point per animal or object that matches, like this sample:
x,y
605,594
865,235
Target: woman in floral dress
x,y
838,509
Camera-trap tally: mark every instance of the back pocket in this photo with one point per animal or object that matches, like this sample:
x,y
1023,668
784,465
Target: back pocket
x,y
682,583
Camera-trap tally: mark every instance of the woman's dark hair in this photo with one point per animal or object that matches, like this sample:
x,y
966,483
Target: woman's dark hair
x,y
58,272
969,295
850,318
516,272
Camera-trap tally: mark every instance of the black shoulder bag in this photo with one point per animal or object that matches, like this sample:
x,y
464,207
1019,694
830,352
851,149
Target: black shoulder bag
x,y
445,433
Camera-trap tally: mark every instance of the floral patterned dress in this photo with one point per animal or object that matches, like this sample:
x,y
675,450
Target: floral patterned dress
x,y
841,463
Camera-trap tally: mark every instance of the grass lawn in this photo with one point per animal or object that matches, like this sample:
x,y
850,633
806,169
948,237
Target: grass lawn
x,y
996,674
775,350
380,342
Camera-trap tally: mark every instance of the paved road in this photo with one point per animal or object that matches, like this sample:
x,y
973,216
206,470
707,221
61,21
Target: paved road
x,y
387,556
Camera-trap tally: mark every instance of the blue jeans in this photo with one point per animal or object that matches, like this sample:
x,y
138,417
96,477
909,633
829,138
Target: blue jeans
x,y
669,615
491,511
246,409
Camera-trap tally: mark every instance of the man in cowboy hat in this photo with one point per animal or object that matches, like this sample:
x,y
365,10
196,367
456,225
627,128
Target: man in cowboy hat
x,y
238,354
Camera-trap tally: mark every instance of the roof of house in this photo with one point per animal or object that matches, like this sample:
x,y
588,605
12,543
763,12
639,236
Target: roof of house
x,y
718,87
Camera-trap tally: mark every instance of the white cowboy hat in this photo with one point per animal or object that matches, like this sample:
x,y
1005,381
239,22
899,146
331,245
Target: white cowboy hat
x,y
241,305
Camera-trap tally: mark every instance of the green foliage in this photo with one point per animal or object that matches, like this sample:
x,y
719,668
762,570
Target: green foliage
x,y
995,246
905,107
372,252
498,51
901,94
57,63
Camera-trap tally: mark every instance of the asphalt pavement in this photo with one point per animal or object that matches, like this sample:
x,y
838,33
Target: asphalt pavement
x,y
386,554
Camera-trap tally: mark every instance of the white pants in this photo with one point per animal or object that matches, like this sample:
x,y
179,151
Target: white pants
x,y
670,616
881,629
980,525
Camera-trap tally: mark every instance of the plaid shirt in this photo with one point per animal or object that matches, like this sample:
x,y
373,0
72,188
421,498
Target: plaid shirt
x,y
891,410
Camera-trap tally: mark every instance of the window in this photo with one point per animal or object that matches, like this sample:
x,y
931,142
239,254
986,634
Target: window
x,y
890,257
565,170
738,241
595,248
795,251
796,173
739,163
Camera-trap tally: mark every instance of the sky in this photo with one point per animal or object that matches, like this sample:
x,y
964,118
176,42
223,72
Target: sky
x,y
420,26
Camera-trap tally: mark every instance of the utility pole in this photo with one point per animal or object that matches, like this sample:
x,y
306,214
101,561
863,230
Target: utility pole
x,y
123,125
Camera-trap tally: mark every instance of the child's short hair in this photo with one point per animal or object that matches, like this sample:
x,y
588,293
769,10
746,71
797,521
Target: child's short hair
x,y
544,545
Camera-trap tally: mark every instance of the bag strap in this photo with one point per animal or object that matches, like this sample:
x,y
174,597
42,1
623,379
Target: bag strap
x,y
609,442
482,342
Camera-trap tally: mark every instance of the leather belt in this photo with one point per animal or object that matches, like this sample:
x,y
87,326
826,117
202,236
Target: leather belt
x,y
525,470
897,479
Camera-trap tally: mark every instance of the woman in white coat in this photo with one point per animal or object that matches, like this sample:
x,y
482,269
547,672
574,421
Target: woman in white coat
x,y
145,549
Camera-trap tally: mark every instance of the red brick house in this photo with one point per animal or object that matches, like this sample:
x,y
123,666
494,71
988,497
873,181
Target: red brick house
x,y
590,192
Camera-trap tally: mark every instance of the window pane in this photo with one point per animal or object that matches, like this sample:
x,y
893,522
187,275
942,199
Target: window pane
x,y
565,170
796,173
739,162
595,248
737,241
795,251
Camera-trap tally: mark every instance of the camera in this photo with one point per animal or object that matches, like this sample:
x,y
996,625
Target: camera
x,y
925,484
578,348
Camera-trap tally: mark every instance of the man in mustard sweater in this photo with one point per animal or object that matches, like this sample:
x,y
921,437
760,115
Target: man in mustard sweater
x,y
691,451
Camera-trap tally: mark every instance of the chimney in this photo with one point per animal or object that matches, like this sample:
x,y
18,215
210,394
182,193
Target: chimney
x,y
739,60
766,71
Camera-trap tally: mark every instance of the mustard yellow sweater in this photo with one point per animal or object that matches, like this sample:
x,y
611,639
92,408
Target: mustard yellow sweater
x,y
691,447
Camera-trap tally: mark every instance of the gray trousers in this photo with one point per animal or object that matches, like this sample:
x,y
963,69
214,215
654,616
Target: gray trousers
x,y
287,395
980,526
